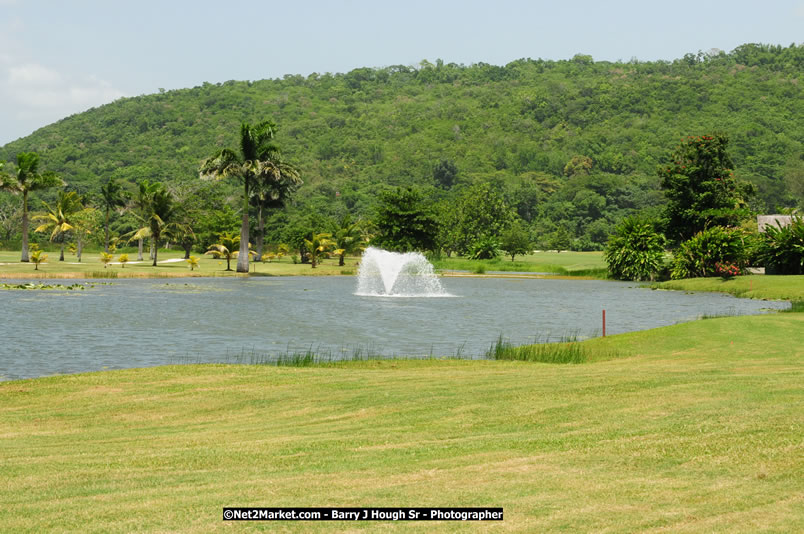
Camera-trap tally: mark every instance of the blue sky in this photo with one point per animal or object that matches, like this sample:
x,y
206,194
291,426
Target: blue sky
x,y
59,57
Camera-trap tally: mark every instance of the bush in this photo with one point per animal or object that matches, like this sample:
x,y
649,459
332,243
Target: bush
x,y
701,255
485,248
781,250
636,250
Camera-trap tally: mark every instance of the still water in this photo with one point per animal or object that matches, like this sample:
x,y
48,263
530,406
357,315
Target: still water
x,y
140,323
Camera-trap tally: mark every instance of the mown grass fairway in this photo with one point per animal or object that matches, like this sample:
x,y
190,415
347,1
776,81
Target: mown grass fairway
x,y
695,427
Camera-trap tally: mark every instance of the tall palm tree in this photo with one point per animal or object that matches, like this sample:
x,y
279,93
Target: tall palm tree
x,y
24,180
58,219
273,191
255,162
113,197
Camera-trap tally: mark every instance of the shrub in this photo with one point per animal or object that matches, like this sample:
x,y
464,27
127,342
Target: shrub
x,y
485,248
781,250
700,255
636,250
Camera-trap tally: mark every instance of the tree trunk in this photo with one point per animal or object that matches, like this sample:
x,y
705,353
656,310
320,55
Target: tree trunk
x,y
340,261
187,250
154,248
260,230
139,250
25,227
61,254
151,246
242,258
80,248
106,243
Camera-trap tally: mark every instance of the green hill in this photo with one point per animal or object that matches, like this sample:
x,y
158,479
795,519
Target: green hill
x,y
520,124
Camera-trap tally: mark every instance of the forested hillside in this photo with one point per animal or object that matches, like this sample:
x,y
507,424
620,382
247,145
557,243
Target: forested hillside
x,y
572,144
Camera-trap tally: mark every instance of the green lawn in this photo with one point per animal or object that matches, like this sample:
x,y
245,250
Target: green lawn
x,y
695,427
753,286
561,263
10,266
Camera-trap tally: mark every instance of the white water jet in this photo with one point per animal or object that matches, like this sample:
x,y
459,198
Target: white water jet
x,y
391,274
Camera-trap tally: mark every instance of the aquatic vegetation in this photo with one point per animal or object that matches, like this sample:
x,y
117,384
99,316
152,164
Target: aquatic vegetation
x,y
40,286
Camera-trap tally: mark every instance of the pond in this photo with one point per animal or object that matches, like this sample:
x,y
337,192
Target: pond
x,y
147,322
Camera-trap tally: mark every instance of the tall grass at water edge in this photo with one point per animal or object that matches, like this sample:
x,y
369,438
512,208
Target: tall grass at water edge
x,y
568,350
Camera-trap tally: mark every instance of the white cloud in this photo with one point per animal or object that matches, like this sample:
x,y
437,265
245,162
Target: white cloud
x,y
33,95
32,74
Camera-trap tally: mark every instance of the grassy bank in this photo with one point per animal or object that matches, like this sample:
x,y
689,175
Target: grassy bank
x,y
690,428
589,264
753,286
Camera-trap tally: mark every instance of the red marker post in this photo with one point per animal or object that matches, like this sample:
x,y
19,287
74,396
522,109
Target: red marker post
x,y
604,323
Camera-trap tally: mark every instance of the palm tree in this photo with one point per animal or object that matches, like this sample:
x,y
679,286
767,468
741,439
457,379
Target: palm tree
x,y
139,205
348,239
318,244
193,261
225,248
83,223
26,179
37,257
273,191
58,219
160,211
255,163
113,197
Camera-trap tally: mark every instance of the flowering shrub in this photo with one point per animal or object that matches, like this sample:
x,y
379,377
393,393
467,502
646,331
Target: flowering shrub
x,y
726,270
700,255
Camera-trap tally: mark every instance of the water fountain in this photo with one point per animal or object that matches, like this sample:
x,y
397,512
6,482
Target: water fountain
x,y
391,274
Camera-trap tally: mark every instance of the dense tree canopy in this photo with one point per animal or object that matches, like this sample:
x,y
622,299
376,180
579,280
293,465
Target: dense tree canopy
x,y
701,188
571,146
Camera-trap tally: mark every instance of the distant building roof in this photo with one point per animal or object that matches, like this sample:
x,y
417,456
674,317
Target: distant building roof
x,y
779,221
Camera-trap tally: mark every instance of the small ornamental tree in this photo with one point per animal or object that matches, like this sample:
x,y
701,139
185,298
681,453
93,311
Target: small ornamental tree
x,y
635,251
105,259
701,189
515,240
123,259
